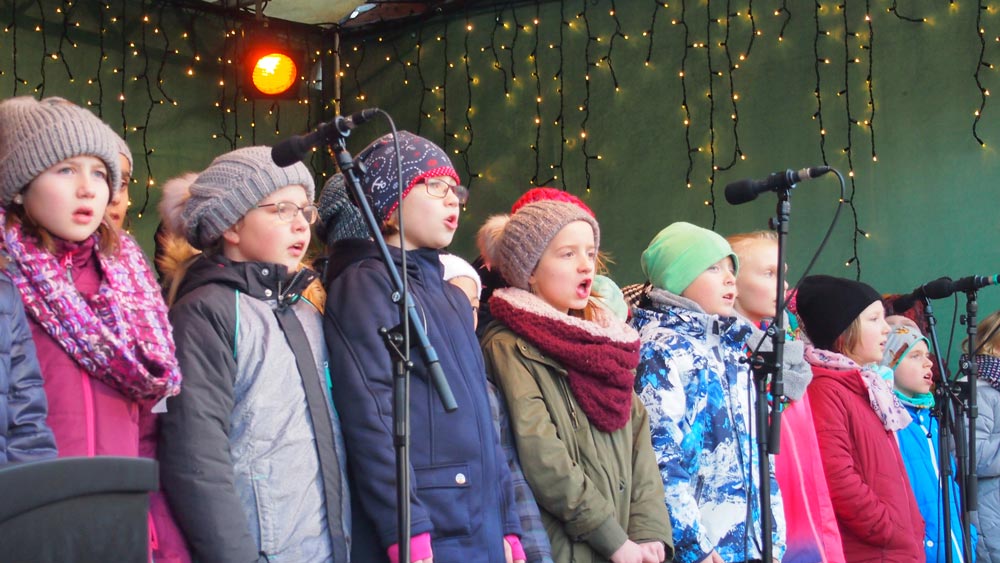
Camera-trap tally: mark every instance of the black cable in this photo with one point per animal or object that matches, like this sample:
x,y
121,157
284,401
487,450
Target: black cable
x,y
951,335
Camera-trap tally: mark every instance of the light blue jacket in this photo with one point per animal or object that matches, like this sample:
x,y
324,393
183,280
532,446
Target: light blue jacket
x,y
918,444
700,403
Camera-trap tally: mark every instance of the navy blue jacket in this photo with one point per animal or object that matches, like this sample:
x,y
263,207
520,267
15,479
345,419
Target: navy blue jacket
x,y
24,435
461,489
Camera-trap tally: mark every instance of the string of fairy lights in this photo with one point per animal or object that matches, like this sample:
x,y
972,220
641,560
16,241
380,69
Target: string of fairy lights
x,y
590,63
146,48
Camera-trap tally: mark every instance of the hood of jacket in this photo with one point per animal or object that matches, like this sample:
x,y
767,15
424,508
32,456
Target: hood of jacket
x,y
262,280
684,316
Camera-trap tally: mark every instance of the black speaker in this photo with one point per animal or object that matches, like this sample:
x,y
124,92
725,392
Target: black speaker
x,y
76,509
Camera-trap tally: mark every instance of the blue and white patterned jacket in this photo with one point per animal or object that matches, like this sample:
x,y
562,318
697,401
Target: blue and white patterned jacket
x,y
700,403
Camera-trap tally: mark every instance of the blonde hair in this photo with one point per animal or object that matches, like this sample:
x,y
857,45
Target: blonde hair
x,y
740,241
849,339
987,327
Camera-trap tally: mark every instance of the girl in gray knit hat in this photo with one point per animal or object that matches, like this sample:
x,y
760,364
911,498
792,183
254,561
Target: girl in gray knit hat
x,y
96,315
98,321
566,367
252,457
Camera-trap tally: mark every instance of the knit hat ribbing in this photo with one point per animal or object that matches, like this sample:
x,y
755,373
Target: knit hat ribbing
x,y
554,194
339,219
680,253
828,305
528,232
420,159
35,135
232,186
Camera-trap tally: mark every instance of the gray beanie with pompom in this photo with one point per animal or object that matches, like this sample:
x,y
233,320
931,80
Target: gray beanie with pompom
x,y
527,234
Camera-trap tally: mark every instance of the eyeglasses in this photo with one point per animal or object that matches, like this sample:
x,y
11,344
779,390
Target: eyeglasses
x,y
439,189
287,211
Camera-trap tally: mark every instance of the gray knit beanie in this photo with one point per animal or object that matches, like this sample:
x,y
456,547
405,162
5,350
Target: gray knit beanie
x,y
36,135
232,186
125,151
528,232
339,219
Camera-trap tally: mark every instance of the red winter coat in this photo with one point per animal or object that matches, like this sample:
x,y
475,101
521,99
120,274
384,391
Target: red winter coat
x,y
88,417
878,516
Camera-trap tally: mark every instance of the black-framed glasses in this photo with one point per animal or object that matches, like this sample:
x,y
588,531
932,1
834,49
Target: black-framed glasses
x,y
287,211
439,188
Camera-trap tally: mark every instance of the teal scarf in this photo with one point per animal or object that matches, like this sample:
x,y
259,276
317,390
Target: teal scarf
x,y
921,401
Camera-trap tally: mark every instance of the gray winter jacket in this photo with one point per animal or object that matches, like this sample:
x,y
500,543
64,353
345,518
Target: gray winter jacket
x,y
252,457
988,468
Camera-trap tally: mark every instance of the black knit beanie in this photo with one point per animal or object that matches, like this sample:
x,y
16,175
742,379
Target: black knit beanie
x,y
828,305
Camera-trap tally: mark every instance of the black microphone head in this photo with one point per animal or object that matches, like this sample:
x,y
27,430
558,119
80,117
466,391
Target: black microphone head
x,y
817,171
740,191
364,115
289,151
939,288
903,303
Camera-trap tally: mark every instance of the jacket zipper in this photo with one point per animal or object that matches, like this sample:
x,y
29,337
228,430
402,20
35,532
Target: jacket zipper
x,y
68,264
568,397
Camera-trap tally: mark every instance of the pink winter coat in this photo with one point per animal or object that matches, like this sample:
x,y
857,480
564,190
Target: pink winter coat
x,y
811,524
166,541
88,417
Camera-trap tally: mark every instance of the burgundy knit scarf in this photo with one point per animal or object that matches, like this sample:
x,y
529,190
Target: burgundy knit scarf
x,y
600,361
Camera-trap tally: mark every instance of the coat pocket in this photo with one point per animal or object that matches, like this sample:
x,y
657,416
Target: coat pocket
x,y
444,492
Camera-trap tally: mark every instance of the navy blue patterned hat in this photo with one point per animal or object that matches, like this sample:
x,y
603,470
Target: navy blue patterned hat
x,y
420,159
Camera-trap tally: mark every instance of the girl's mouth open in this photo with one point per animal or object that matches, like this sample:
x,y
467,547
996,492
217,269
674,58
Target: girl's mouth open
x,y
83,216
583,290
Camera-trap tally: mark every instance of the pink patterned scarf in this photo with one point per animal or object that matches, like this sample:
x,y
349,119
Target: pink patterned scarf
x,y
120,335
600,361
883,401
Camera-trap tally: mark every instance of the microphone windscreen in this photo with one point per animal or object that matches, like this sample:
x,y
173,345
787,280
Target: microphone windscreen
x,y
939,288
740,192
289,151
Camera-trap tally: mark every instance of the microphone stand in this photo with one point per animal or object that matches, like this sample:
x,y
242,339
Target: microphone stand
x,y
397,342
768,366
946,396
970,369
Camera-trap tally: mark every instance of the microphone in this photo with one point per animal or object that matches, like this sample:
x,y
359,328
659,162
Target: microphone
x,y
742,191
973,283
931,290
941,288
294,149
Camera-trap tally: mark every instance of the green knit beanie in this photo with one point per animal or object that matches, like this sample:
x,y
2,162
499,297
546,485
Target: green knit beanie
x,y
680,253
